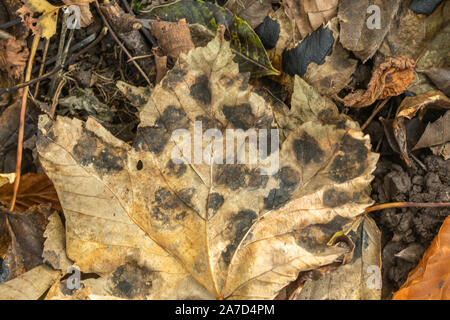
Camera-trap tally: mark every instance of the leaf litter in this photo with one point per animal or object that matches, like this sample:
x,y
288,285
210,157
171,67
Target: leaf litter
x,y
140,226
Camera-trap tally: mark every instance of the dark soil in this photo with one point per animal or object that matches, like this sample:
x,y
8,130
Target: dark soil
x,y
407,232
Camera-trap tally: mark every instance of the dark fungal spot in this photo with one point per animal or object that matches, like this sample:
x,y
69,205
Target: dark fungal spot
x,y
169,208
174,76
351,160
186,195
231,175
314,48
328,116
209,123
268,31
132,281
215,201
333,198
256,180
307,149
200,90
174,169
277,197
314,238
236,229
154,139
425,7
240,116
90,149
245,77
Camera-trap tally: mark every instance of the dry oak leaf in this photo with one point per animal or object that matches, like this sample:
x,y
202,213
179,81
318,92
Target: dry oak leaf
x,y
430,280
310,14
85,12
390,78
13,57
154,229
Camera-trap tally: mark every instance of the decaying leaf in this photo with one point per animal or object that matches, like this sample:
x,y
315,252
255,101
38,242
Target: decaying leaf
x,y
250,53
13,57
408,109
411,33
54,252
430,280
391,78
34,189
251,11
155,228
45,25
355,16
174,38
310,14
441,78
30,285
21,239
360,279
436,136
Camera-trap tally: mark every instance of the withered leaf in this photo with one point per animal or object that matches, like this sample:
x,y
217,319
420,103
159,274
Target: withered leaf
x,y
22,240
85,11
354,18
34,189
408,109
43,26
310,14
391,78
41,278
13,57
411,33
54,251
250,53
360,279
153,228
441,78
252,11
430,280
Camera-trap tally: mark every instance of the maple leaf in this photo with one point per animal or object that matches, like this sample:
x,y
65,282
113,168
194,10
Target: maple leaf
x,y
158,229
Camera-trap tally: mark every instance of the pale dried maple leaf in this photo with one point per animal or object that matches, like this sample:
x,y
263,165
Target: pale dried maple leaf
x,y
159,230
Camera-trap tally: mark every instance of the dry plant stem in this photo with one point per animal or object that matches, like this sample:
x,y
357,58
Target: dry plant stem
x,y
120,43
57,68
406,205
375,112
60,54
41,69
22,121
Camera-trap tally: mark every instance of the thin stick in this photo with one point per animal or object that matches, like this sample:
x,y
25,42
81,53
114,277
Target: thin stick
x,y
57,68
406,205
375,112
41,69
120,43
22,121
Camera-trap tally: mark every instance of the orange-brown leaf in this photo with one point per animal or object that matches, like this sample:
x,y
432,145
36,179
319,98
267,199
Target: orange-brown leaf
x,y
389,79
430,280
13,56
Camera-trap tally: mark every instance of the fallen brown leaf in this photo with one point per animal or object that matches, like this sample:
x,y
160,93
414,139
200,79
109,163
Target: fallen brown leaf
x,y
408,109
430,280
34,189
155,229
310,14
13,57
22,239
391,78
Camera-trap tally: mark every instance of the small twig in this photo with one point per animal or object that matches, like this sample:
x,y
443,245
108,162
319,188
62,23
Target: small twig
x,y
23,110
374,113
406,205
56,97
57,68
120,43
5,35
140,57
10,23
41,69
